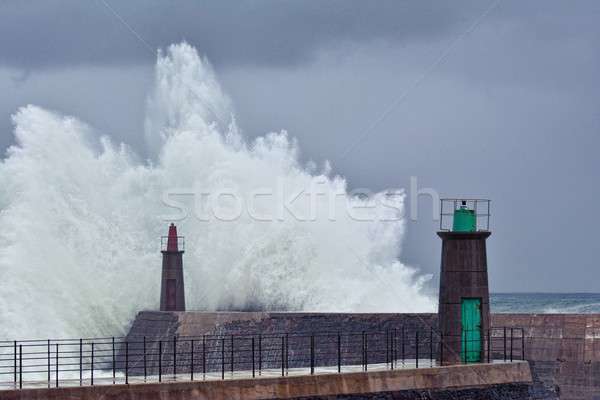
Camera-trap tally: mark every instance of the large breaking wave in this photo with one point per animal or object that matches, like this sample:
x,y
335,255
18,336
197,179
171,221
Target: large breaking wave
x,y
81,218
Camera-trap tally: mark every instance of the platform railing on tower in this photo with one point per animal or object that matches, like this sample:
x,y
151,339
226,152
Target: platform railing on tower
x,y
164,243
459,213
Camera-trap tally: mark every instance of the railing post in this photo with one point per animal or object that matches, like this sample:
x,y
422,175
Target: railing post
x,y
504,338
393,347
49,363
431,346
192,360
126,362
232,355
339,352
417,349
20,366
259,354
366,351
160,360
222,358
362,358
403,345
282,356
253,367
523,344
466,346
441,349
145,362
511,344
15,363
287,352
203,356
489,345
175,357
114,360
80,362
92,366
312,353
387,348
57,364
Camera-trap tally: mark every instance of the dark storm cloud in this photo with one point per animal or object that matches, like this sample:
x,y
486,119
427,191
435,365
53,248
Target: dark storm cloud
x,y
57,33
510,112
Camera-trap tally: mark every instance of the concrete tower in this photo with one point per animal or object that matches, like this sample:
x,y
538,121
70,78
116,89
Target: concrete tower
x,y
172,293
464,311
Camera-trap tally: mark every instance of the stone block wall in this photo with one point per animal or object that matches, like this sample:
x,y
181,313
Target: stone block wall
x,y
562,349
277,339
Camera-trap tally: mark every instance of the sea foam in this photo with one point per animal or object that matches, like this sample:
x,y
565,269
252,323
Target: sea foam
x,y
81,219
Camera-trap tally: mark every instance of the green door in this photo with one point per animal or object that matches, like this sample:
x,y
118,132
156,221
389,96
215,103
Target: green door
x,y
471,330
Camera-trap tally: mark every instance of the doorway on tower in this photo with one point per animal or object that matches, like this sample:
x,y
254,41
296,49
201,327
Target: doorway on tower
x,y
471,330
171,294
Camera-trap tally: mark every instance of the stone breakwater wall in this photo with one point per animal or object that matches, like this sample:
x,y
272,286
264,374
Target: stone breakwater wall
x,y
563,350
266,334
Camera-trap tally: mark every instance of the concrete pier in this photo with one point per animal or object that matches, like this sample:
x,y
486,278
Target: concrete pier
x,y
479,381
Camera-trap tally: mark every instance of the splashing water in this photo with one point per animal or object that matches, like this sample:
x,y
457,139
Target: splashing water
x,y
81,218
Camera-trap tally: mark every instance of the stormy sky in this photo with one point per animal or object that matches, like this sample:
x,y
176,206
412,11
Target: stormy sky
x,y
496,99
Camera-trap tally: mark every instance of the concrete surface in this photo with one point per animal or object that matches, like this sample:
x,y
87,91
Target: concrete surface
x,y
476,376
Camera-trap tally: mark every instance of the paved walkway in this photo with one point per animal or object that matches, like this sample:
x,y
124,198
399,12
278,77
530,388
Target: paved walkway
x,y
71,378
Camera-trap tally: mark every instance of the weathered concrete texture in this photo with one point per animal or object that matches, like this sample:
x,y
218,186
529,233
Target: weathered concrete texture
x,y
476,379
564,350
156,324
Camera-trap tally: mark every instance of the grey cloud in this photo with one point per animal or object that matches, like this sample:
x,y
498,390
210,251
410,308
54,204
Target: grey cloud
x,y
55,33
511,113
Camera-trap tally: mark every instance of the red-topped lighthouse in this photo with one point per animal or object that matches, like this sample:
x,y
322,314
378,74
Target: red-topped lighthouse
x,y
172,293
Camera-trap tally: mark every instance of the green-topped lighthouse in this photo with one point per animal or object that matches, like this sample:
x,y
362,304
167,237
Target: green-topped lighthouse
x,y
464,315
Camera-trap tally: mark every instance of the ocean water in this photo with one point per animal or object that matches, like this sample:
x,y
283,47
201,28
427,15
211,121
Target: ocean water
x,y
548,303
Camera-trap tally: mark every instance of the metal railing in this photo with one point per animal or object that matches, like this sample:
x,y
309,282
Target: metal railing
x,y
91,361
480,208
164,243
